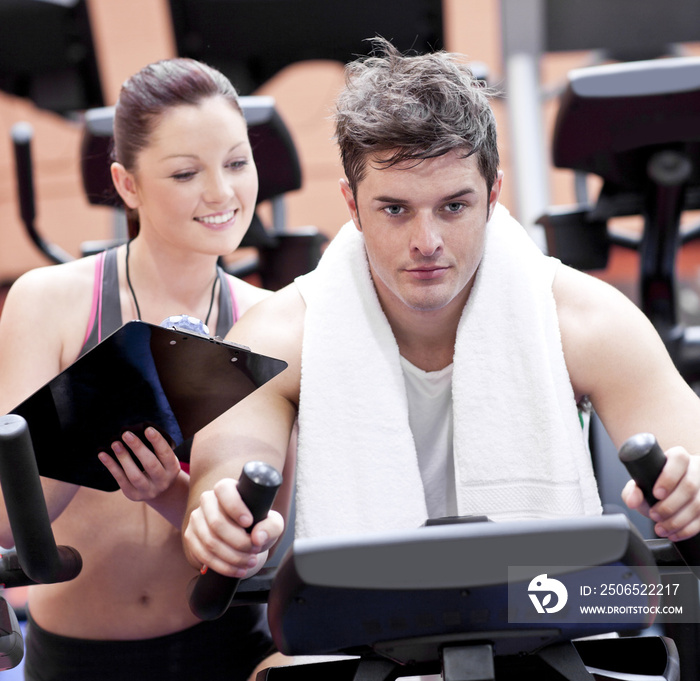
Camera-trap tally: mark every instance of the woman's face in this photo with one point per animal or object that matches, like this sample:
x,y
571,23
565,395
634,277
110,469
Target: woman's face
x,y
195,184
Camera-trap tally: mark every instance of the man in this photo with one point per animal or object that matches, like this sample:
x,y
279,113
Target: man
x,y
438,363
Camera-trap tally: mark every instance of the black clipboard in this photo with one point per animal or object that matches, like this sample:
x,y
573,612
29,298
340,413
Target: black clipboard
x,y
141,375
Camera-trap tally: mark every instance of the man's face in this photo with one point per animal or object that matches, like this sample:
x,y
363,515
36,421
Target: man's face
x,y
424,226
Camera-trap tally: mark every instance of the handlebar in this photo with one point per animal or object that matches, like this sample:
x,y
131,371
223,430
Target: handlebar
x,y
644,460
211,593
22,134
38,560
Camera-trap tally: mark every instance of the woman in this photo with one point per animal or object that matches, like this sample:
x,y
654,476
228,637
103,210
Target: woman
x,y
184,169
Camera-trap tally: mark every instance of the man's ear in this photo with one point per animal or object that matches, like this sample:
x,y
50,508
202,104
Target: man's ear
x,y
125,184
351,203
495,192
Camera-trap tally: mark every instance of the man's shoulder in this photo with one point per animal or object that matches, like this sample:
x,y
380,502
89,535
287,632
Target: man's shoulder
x,y
584,296
282,307
274,326
602,330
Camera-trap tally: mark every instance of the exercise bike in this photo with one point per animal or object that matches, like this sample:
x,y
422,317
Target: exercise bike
x,y
469,599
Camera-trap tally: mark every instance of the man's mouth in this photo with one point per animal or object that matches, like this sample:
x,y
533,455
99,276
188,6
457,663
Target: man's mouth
x,y
427,272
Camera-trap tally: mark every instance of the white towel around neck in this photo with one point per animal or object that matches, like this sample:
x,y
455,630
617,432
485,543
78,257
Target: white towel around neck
x,y
518,445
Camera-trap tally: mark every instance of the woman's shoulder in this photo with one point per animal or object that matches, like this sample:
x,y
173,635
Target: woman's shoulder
x,y
57,297
56,282
42,325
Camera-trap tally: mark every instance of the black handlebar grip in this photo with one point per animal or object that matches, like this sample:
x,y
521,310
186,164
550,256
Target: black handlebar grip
x,y
644,460
211,593
39,557
22,134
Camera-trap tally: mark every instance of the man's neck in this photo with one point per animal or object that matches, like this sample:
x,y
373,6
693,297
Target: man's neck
x,y
426,339
426,359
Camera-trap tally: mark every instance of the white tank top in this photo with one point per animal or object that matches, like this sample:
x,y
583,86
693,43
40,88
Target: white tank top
x,y
430,417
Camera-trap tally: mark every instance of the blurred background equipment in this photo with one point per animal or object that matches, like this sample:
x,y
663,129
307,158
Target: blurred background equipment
x,y
622,30
251,40
47,54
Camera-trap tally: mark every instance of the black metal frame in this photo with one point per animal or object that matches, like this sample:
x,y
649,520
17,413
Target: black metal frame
x,y
635,126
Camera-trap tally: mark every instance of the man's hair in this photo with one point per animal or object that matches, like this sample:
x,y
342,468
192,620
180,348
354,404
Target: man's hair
x,y
414,107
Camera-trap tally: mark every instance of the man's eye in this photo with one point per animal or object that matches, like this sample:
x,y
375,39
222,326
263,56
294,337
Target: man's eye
x,y
394,210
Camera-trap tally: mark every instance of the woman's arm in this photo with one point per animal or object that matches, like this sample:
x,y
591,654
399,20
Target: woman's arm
x,y
41,328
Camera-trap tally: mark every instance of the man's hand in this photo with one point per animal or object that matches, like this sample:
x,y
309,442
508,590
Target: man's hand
x,y
216,534
677,513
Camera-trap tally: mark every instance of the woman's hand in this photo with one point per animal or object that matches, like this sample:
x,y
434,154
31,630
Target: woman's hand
x,y
161,466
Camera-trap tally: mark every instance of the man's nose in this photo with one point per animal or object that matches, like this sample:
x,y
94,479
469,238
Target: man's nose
x,y
426,236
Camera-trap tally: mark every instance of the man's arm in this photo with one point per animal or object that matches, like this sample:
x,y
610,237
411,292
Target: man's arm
x,y
615,356
257,428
